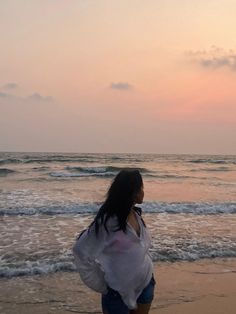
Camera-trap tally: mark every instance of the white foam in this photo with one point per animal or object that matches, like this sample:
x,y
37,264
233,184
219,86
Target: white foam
x,y
197,208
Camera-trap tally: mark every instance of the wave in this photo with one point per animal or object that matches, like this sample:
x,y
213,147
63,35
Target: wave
x,y
10,161
212,161
222,168
195,208
110,171
184,252
41,160
63,159
112,174
170,176
93,171
102,169
36,268
16,158
51,210
40,157
70,175
193,252
6,171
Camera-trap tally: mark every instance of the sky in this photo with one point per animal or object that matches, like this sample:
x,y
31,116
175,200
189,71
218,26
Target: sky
x,y
107,76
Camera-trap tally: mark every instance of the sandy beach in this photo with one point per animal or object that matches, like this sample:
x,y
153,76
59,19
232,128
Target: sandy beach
x,y
205,286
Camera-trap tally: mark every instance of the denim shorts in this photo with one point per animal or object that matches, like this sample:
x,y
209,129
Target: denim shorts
x,y
112,302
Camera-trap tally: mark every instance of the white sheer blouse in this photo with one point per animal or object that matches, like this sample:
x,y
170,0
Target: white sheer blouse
x,y
115,259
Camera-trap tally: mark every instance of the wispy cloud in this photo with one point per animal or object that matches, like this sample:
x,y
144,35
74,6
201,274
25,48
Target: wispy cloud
x,y
10,86
33,98
123,86
214,58
3,95
6,92
38,97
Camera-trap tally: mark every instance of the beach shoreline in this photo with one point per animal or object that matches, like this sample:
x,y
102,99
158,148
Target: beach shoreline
x,y
205,286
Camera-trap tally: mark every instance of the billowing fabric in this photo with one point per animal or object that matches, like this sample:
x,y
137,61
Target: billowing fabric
x,y
115,259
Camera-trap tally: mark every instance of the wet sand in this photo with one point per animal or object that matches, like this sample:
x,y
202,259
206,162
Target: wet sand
x,y
205,286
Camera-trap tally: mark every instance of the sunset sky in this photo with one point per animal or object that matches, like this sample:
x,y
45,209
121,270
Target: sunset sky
x,y
154,76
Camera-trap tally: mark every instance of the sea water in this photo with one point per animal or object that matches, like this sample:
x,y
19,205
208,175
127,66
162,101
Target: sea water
x,y
46,199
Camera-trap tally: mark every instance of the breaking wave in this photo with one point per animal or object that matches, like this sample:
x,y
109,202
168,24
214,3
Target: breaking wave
x,y
196,208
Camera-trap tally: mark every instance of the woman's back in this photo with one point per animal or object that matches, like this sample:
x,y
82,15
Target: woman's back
x,y
122,256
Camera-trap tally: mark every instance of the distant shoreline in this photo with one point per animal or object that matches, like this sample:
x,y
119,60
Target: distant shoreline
x,y
119,153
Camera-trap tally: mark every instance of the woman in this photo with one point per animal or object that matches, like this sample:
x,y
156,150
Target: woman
x,y
112,254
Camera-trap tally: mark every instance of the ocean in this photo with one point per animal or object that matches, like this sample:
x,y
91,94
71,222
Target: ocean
x,y
46,199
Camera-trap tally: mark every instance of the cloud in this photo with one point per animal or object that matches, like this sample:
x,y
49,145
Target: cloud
x,y
34,98
121,86
10,86
38,97
215,58
3,95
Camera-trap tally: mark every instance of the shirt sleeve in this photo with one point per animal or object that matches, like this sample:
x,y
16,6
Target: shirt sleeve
x,y
86,250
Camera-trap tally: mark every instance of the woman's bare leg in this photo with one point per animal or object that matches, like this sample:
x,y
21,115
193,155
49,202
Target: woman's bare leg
x,y
142,309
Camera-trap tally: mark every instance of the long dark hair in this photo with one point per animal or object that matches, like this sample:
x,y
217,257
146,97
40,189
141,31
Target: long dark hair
x,y
120,199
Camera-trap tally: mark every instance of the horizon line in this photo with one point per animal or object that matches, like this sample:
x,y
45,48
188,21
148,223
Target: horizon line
x,y
120,153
